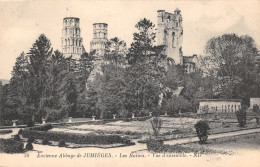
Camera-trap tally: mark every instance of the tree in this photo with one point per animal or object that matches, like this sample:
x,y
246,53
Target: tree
x,y
145,70
39,56
232,60
176,105
142,45
116,53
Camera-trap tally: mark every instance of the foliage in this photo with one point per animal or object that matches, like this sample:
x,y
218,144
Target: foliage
x,y
45,84
61,143
176,105
202,128
241,116
28,146
233,62
256,110
154,145
17,137
20,131
11,146
74,137
45,127
45,141
3,132
31,140
156,125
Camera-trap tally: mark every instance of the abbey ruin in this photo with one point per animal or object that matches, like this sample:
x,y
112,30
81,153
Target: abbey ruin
x,y
169,34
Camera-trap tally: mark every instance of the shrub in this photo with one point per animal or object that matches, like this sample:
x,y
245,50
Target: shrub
x,y
3,132
42,127
61,143
256,111
20,132
30,123
16,137
154,145
202,128
241,116
156,125
77,138
45,141
11,146
31,140
28,146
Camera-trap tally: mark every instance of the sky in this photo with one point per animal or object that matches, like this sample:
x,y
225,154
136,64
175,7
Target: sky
x,y
22,22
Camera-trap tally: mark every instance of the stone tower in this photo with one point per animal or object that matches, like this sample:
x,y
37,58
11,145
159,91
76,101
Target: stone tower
x,y
170,34
71,39
98,44
99,40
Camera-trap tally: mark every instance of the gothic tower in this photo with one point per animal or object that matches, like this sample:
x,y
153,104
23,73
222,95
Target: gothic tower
x,y
71,39
170,34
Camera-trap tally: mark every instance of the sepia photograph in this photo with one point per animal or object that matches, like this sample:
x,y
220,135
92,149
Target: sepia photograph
x,y
129,83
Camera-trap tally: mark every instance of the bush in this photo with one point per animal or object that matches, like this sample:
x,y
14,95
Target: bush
x,y
16,137
28,146
42,127
31,140
202,128
3,132
156,125
45,141
11,146
20,132
77,138
154,145
61,143
30,123
241,116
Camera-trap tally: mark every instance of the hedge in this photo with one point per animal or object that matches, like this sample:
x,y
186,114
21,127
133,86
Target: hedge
x,y
3,132
11,146
42,127
154,145
76,138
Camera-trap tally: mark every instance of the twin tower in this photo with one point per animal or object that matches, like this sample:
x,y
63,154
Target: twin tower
x,y
169,34
72,40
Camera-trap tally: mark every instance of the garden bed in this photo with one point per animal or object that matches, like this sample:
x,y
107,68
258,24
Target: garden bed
x,y
76,138
3,132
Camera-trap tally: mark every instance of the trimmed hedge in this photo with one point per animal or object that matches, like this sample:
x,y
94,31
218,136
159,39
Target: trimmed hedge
x,y
76,138
3,132
42,127
61,143
29,146
11,146
154,145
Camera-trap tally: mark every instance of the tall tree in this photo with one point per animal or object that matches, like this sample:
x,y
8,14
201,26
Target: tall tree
x,y
145,70
233,60
39,56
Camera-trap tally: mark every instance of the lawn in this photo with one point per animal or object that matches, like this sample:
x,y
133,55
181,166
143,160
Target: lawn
x,y
133,127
